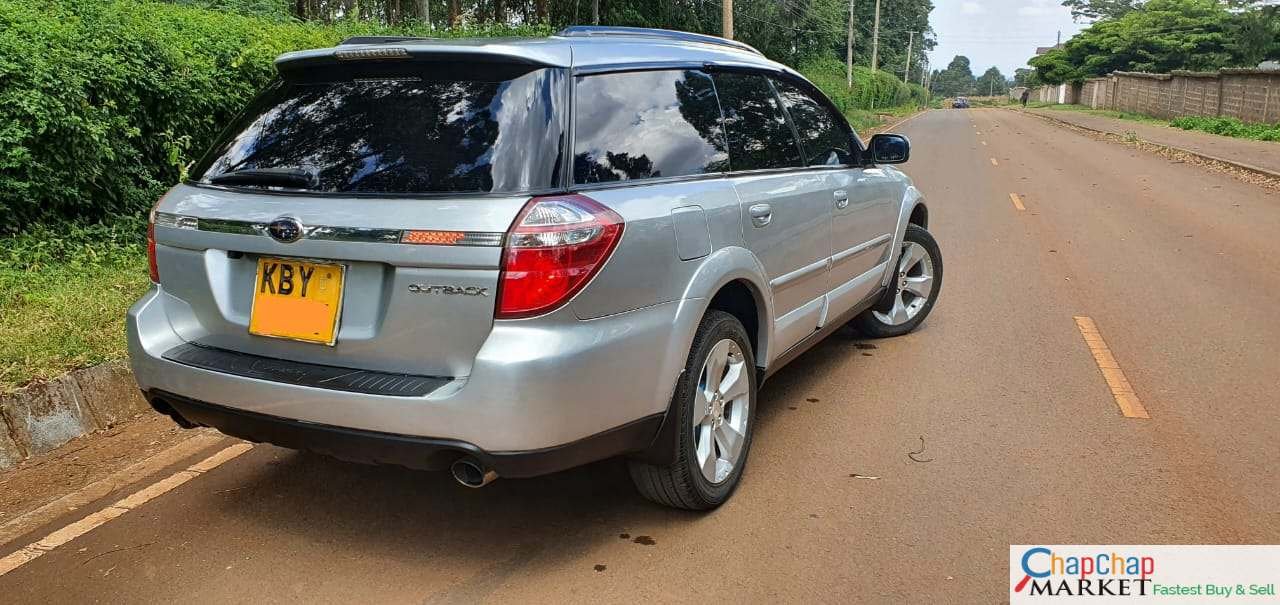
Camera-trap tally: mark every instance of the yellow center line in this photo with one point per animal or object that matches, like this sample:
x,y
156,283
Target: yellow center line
x,y
1121,390
1017,201
994,162
39,548
979,133
984,143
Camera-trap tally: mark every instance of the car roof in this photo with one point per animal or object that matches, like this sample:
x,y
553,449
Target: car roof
x,y
588,48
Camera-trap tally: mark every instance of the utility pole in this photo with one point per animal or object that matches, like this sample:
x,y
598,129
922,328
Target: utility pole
x,y
924,68
906,73
848,51
875,39
726,17
595,12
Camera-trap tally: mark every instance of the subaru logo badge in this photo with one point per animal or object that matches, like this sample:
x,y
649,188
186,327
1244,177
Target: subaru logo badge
x,y
285,230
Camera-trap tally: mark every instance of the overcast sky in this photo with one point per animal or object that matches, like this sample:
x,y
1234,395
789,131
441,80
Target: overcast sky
x,y
1004,33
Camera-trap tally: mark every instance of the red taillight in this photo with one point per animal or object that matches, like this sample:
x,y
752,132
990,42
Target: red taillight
x,y
554,248
151,250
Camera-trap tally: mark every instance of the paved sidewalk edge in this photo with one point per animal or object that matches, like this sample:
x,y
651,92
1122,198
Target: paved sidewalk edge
x,y
42,416
1204,156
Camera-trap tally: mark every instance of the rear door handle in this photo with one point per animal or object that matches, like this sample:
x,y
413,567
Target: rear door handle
x,y
842,198
761,214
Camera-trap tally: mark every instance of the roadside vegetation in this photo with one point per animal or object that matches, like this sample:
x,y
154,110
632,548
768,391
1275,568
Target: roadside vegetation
x,y
1159,36
105,102
63,294
1228,127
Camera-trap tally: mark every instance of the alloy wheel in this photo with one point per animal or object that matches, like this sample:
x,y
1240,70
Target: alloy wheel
x,y
720,411
912,283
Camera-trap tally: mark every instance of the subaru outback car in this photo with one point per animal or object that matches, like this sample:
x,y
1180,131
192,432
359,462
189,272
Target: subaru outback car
x,y
511,257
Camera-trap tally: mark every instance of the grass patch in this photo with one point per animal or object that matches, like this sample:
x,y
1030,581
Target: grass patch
x,y
865,121
64,291
1229,127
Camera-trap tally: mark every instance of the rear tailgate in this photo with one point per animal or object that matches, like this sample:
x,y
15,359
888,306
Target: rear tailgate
x,y
399,177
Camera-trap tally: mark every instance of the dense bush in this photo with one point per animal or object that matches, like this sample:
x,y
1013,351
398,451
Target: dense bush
x,y
1229,127
103,102
871,90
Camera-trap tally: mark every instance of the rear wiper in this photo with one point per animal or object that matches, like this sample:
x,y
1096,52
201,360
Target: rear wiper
x,y
300,178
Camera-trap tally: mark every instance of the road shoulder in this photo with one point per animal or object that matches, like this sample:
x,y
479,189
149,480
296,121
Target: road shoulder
x,y
100,460
1258,156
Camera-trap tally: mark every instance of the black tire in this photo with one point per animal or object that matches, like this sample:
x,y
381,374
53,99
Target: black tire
x,y
873,326
682,484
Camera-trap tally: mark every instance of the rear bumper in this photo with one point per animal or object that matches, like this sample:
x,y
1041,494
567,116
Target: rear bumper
x,y
415,452
535,384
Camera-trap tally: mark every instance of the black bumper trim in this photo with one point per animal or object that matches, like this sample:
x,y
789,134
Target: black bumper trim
x,y
424,453
304,374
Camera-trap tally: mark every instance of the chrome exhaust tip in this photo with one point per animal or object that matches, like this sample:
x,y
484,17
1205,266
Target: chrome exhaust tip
x,y
472,473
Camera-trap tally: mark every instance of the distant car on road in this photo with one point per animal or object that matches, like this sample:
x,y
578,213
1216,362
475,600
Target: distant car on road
x,y
508,258
960,103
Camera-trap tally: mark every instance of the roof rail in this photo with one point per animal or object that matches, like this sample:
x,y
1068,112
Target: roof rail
x,y
380,39
588,31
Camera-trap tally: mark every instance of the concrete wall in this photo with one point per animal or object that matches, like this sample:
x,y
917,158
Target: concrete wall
x,y
1062,93
43,416
1251,95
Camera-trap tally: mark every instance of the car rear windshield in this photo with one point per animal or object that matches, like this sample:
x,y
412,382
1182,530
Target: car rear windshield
x,y
414,131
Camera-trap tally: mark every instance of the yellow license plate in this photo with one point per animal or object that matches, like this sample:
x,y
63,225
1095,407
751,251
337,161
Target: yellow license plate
x,y
297,300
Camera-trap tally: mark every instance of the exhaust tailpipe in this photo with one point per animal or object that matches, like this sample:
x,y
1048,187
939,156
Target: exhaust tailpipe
x,y
471,472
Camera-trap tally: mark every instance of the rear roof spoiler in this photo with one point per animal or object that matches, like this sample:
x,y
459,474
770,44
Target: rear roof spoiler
x,y
390,49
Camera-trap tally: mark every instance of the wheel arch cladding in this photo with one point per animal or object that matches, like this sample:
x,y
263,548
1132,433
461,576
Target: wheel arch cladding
x,y
912,202
723,277
739,299
920,215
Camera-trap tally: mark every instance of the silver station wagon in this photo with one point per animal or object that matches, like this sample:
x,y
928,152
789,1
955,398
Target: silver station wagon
x,y
507,258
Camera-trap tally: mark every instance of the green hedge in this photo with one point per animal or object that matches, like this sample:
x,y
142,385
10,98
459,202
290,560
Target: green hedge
x,y
103,102
871,90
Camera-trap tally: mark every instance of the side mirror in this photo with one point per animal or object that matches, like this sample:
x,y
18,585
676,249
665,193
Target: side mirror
x,y
889,149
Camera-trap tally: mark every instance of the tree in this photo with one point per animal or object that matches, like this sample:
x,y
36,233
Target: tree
x,y
1164,35
1054,67
957,79
1093,10
992,82
1024,76
790,31
1256,34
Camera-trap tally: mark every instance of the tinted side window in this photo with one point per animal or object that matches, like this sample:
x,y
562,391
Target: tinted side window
x,y
647,124
759,136
825,140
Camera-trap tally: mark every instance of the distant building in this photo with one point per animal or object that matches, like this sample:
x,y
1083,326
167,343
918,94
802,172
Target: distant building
x,y
1040,50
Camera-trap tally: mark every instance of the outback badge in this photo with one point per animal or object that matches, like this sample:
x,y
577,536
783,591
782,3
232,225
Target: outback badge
x,y
449,290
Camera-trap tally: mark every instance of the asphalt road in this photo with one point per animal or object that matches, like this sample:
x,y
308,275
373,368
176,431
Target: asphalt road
x,y
1022,440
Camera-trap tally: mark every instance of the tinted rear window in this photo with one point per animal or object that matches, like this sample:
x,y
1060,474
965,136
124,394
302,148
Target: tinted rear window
x,y
759,135
404,133
647,124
